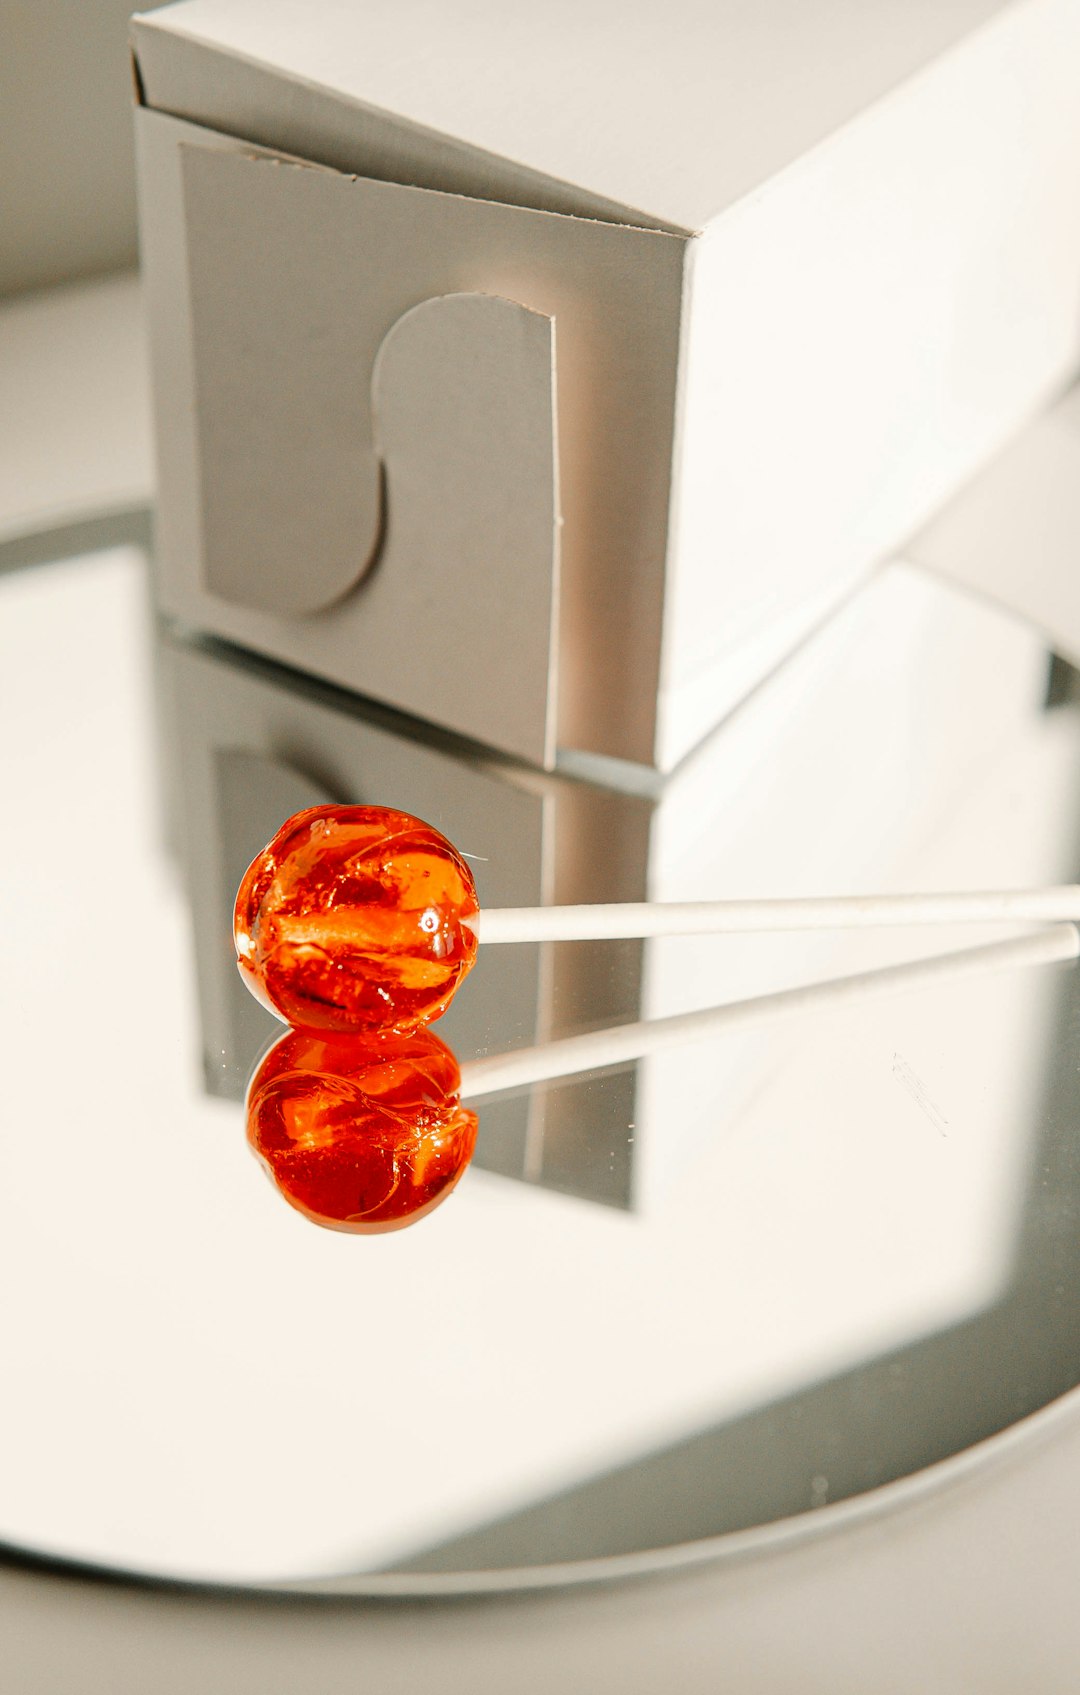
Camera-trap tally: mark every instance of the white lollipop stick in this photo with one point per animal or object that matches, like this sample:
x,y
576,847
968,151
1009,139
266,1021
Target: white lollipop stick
x,y
616,1046
844,912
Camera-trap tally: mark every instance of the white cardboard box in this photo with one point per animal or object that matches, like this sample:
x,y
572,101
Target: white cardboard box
x,y
606,347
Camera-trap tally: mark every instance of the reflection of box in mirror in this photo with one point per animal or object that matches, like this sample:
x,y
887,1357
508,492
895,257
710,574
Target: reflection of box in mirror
x,y
557,421
254,746
862,757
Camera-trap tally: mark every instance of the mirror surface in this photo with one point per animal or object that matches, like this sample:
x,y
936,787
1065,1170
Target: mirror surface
x,y
726,1285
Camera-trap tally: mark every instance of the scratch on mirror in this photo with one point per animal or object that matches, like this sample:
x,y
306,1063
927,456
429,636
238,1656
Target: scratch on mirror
x,y
916,1088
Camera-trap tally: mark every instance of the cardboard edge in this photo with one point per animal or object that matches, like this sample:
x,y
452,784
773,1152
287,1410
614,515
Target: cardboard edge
x,y
150,29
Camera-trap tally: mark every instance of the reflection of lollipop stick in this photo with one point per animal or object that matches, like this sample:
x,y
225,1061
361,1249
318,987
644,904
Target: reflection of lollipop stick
x,y
845,912
367,1133
595,1049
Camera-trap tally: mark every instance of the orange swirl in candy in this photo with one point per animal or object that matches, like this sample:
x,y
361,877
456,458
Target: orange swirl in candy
x,y
356,918
360,1133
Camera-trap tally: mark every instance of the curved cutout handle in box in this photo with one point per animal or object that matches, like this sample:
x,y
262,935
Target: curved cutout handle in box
x,y
373,436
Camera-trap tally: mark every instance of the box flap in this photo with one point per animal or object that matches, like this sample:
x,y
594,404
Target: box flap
x,y
661,116
344,438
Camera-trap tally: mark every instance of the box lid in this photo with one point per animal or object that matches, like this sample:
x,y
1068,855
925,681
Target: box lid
x,y
659,115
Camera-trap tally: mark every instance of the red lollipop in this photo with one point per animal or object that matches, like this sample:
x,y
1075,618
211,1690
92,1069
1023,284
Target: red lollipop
x,y
356,918
360,1133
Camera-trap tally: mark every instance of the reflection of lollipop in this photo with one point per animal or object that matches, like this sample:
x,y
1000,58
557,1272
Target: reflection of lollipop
x,y
360,918
361,1134
367,1133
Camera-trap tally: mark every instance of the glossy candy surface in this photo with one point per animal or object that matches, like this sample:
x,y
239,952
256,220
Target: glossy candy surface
x,y
355,918
360,1133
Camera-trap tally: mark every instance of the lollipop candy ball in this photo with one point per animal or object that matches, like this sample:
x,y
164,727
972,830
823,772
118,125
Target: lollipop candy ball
x,y
356,918
360,1133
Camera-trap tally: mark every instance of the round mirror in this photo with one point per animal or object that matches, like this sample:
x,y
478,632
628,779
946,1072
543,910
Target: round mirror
x,y
724,1286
